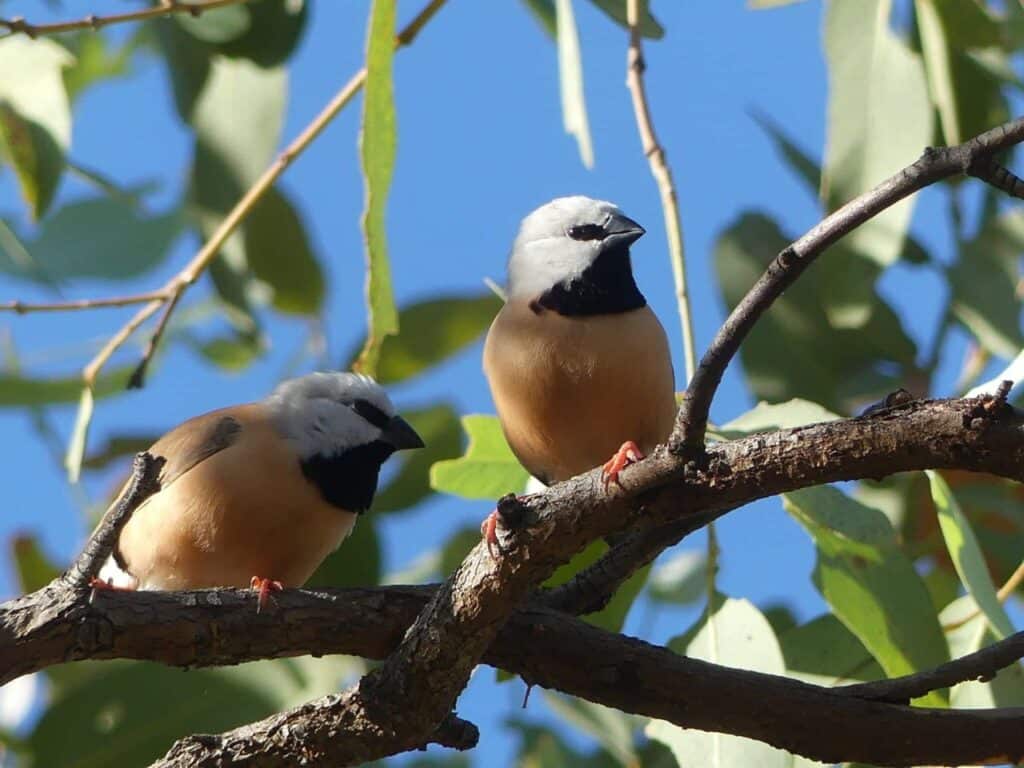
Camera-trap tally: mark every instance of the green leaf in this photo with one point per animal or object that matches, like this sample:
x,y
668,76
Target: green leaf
x,y
279,254
771,417
983,281
188,65
680,580
106,238
807,169
433,331
570,77
232,353
971,632
967,96
438,425
455,549
31,152
378,139
839,366
733,633
116,448
356,563
218,25
613,616
824,652
871,586
611,728
34,569
35,122
544,748
17,390
119,718
616,9
544,12
872,73
487,470
96,61
967,557
79,435
275,29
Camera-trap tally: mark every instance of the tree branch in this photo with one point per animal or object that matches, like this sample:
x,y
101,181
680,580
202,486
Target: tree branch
x,y
973,157
18,25
401,704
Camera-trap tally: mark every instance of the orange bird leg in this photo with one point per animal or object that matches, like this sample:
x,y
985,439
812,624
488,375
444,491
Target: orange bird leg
x,y
627,454
263,588
489,531
96,583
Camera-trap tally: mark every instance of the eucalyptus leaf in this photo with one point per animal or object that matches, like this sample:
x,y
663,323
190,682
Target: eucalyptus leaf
x,y
872,72
107,238
611,728
34,569
438,425
967,556
824,652
356,563
616,10
217,25
487,470
378,141
871,586
274,31
735,634
19,390
35,116
433,331
771,417
570,77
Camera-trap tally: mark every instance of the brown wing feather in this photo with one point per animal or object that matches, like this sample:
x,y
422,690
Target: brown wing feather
x,y
194,441
570,390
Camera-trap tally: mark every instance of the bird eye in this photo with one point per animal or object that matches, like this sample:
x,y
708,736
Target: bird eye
x,y
587,232
371,413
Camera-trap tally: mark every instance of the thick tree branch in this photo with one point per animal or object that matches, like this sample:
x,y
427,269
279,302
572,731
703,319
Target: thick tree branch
x,y
401,704
545,648
973,158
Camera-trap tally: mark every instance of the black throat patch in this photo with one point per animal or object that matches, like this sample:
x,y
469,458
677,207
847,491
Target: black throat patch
x,y
348,480
606,287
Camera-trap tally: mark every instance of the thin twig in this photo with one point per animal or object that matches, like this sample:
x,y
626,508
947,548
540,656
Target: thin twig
x,y
171,292
980,665
935,164
138,377
1003,594
143,484
24,307
662,176
18,25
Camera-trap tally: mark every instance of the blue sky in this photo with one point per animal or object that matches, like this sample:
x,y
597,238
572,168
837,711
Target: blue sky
x,y
480,145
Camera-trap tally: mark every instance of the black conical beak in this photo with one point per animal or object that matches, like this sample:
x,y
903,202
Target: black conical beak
x,y
622,230
399,434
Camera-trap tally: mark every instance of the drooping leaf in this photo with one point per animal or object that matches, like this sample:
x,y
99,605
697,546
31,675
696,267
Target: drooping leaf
x,y
968,97
487,470
824,652
544,12
439,428
17,390
982,280
217,25
378,140
232,353
79,435
680,580
570,77
611,728
616,9
274,31
106,238
770,417
188,65
35,570
969,631
433,331
872,72
967,556
356,563
741,637
869,582
35,116
279,253
839,366
117,720
807,169
96,59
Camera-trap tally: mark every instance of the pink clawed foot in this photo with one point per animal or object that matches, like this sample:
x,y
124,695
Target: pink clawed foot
x,y
489,531
263,587
627,454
